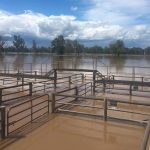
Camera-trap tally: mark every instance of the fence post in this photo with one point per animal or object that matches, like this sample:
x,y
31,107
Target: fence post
x,y
30,88
53,102
69,81
55,79
104,86
142,82
31,111
22,79
41,70
146,137
3,121
105,110
113,80
3,81
76,92
94,77
91,88
85,89
31,67
1,92
130,89
44,88
82,78
35,75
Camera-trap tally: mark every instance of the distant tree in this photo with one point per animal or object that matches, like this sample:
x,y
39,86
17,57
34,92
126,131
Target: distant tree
x,y
147,51
2,43
58,45
34,45
69,46
19,43
78,47
117,47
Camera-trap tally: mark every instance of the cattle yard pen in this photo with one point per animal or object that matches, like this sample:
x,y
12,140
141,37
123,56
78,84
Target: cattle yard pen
x,y
28,96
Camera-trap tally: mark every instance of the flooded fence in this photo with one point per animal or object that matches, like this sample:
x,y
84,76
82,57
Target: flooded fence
x,y
84,89
42,86
26,112
144,144
102,107
69,80
120,85
11,93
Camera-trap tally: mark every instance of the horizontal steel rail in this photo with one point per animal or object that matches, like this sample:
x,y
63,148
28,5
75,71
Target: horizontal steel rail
x,y
105,102
124,82
30,114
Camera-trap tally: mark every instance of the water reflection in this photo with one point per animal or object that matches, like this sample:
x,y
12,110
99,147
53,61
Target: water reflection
x,y
2,58
19,62
48,61
118,62
67,61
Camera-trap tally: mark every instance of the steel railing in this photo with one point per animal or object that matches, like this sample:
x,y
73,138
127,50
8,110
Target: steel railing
x,y
26,112
144,144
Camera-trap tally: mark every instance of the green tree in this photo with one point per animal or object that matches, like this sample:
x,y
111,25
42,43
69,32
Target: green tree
x,y
2,43
117,48
78,47
34,45
19,43
69,46
58,45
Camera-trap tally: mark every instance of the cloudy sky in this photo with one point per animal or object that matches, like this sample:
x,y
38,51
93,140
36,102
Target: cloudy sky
x,y
90,21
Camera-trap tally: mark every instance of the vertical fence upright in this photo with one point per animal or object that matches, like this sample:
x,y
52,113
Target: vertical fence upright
x,y
3,121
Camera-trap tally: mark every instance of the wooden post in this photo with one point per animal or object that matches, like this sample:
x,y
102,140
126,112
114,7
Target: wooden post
x,y
3,121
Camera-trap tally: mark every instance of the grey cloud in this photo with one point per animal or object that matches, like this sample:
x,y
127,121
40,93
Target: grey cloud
x,y
48,27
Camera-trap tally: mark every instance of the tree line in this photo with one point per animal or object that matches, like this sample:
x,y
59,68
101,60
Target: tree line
x,y
61,46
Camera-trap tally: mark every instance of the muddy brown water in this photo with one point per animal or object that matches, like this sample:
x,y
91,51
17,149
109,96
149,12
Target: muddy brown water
x,y
66,132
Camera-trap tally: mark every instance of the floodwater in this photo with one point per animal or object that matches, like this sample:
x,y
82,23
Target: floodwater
x,y
106,64
67,132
